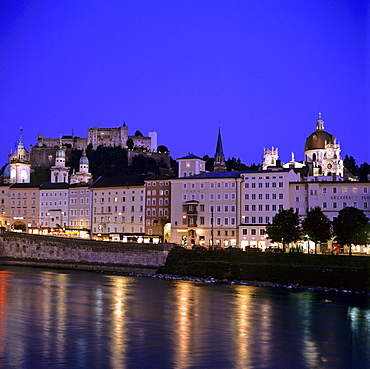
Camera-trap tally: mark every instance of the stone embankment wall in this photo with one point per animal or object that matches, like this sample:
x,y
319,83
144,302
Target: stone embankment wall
x,y
25,249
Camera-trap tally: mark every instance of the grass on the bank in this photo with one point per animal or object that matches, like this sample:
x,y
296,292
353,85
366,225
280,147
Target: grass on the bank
x,y
334,271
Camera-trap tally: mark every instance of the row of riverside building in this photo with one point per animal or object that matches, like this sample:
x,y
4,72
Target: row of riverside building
x,y
197,207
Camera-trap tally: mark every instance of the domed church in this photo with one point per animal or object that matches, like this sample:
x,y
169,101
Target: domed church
x,y
322,152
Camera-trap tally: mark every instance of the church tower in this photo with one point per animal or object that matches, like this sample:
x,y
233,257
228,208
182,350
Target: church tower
x,y
270,158
59,172
322,152
219,164
19,163
83,175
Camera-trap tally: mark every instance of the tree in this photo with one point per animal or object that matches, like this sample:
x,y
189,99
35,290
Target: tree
x,y
138,134
285,227
364,171
209,163
350,163
143,165
351,227
235,164
162,149
317,226
130,144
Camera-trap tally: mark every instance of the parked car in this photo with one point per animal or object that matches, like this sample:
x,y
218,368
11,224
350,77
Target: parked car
x,y
199,247
234,248
253,249
274,249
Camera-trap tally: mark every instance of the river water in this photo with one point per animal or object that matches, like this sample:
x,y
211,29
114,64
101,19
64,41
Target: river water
x,y
67,319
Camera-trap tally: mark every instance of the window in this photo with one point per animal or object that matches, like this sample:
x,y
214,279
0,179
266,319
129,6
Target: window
x,y
281,184
324,190
253,196
273,184
267,207
267,196
253,232
297,199
246,207
226,196
281,196
260,196
246,185
354,190
184,197
219,196
211,196
334,190
344,189
245,231
267,219
324,205
365,205
246,196
260,207
260,185
253,185
184,186
226,185
226,209
201,219
334,204
260,220
365,189
233,208
226,221
232,221
267,185
253,220
274,196
253,207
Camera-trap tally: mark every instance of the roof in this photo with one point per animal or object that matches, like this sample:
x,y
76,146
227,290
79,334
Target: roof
x,y
134,180
54,186
190,156
317,139
234,174
26,185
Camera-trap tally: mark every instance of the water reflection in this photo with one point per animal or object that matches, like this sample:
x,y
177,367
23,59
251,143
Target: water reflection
x,y
71,319
118,342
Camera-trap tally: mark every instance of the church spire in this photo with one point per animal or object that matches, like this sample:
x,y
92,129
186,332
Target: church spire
x,y
319,124
219,149
219,164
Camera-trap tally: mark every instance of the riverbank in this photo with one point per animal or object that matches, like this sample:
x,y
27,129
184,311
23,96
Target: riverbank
x,y
339,272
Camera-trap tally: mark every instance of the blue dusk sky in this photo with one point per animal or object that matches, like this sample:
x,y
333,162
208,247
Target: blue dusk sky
x,y
260,69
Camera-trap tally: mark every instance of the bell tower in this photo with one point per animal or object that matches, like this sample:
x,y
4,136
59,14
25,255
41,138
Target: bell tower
x,y
19,162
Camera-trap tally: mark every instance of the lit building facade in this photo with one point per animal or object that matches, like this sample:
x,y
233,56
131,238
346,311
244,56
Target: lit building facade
x,y
118,208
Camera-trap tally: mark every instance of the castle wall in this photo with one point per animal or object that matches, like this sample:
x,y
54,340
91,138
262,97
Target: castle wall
x,y
88,254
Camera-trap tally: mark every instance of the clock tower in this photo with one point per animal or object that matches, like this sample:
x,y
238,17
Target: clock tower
x,y
19,163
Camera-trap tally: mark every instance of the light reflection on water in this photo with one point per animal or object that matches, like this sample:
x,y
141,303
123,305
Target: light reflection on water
x,y
68,319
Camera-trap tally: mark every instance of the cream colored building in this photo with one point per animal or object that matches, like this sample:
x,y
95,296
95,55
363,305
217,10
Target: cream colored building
x,y
118,208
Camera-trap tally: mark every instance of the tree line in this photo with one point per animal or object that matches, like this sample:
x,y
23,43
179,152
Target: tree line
x,y
351,226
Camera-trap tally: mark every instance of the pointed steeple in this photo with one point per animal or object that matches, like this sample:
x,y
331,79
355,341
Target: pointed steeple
x,y
219,164
219,149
